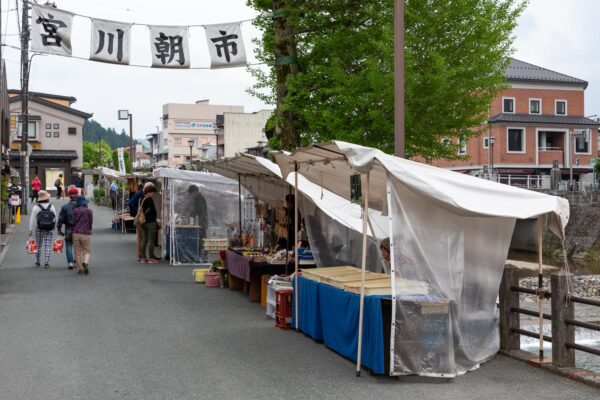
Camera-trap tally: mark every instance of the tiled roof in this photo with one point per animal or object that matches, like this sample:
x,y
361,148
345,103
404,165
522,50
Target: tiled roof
x,y
520,71
70,99
542,119
51,104
49,154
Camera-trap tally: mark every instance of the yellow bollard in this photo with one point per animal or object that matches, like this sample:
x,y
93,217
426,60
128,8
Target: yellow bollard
x,y
18,216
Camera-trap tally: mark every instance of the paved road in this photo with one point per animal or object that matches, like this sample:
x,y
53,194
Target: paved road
x,y
132,331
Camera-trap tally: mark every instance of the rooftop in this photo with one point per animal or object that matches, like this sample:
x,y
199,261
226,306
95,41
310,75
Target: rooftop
x,y
520,71
543,119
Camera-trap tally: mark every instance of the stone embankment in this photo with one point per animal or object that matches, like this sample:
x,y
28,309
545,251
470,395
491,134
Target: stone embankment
x,y
584,285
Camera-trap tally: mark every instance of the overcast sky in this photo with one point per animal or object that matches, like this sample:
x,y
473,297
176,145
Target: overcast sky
x,y
561,35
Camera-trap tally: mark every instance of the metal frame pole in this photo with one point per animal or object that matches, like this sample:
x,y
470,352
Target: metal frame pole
x,y
24,108
131,146
399,77
296,243
240,208
362,275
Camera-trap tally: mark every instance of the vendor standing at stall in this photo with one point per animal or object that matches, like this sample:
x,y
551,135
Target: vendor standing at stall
x,y
198,212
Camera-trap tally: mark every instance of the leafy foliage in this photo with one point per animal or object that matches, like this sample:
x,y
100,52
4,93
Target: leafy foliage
x,y
456,53
93,132
91,154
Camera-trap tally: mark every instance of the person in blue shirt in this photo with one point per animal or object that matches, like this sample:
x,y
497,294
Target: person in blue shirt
x,y
113,194
65,217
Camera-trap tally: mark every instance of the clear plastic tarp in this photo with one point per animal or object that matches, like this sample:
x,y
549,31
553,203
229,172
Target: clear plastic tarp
x,y
197,206
447,270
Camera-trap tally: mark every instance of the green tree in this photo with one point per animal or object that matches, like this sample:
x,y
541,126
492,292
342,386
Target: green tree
x,y
91,154
456,53
93,132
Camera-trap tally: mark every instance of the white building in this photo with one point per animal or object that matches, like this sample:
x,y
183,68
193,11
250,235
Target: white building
x,y
240,131
189,128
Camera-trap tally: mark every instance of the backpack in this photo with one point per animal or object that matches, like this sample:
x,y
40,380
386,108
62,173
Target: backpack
x,y
46,220
57,183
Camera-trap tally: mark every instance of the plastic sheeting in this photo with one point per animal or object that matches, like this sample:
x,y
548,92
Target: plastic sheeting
x,y
449,326
450,238
191,219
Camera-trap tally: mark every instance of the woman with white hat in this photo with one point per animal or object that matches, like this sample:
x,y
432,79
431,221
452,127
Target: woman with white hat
x,y
43,222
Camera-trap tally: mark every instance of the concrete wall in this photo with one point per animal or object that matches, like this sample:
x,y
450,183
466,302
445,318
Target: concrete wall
x,y
241,131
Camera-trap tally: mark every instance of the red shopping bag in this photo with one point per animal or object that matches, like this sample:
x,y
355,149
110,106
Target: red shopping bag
x,y
31,246
57,247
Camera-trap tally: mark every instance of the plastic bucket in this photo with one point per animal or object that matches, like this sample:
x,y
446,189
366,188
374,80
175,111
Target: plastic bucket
x,y
199,274
211,279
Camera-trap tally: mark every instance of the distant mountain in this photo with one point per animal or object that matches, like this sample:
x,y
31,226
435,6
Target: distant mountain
x,y
93,131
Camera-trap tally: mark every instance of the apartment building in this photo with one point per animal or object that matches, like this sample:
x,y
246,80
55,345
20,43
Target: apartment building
x,y
189,128
237,132
539,120
55,131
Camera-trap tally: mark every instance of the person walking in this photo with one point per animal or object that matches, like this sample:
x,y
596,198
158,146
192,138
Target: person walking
x,y
65,217
150,225
133,205
42,222
36,186
79,184
59,184
83,219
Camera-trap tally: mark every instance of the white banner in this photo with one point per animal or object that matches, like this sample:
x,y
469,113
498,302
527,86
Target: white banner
x,y
225,45
110,41
51,30
169,46
121,161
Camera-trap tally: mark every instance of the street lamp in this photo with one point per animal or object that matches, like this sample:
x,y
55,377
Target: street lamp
x,y
191,144
126,115
491,146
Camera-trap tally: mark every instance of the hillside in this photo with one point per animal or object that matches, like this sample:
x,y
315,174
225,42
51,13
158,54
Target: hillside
x,y
93,131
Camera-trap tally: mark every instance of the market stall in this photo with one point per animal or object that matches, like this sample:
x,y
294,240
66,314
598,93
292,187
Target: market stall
x,y
197,208
450,235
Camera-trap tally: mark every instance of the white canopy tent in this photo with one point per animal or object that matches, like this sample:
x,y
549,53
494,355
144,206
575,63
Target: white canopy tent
x,y
326,213
448,230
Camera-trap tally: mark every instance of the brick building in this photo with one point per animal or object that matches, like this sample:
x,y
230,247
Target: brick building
x,y
539,119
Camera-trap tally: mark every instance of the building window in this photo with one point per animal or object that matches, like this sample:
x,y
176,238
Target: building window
x,y
446,142
31,126
535,106
72,131
48,134
56,134
516,140
56,126
462,147
582,141
48,126
177,140
182,124
508,104
561,107
486,142
165,123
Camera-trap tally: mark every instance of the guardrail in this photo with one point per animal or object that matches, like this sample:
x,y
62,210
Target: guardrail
x,y
562,317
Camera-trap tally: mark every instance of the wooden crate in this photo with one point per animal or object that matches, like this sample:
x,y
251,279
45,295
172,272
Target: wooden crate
x,y
381,286
341,279
319,274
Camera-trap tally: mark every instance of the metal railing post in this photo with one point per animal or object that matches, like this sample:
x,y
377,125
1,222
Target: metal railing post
x,y
509,299
509,180
562,310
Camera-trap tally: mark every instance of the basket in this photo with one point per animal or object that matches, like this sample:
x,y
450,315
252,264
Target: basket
x,y
211,279
199,274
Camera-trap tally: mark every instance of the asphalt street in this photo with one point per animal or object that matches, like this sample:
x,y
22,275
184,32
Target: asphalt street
x,y
140,331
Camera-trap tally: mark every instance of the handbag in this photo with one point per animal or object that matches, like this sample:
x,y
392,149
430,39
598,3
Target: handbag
x,y
140,216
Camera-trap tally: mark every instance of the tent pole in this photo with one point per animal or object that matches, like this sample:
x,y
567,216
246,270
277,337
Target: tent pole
x,y
540,227
240,208
362,274
296,243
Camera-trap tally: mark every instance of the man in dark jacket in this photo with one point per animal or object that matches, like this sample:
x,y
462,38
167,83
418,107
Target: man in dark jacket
x,y
133,205
65,217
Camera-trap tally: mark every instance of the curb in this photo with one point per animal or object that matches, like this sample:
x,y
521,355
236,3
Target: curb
x,y
575,374
7,245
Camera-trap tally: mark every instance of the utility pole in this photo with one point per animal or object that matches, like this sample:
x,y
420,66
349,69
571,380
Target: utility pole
x,y
24,107
286,65
399,78
131,145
